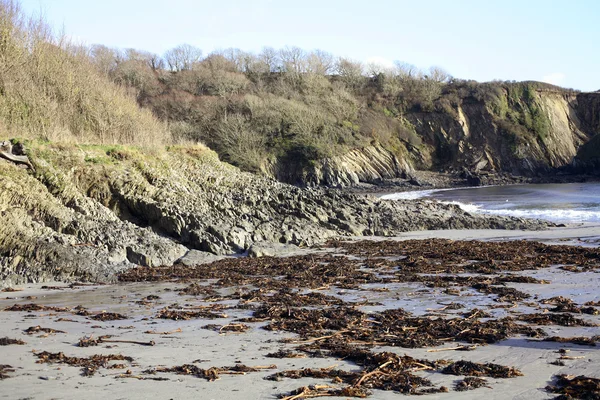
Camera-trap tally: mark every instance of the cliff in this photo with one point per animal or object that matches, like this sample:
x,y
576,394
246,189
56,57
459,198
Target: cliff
x,y
528,134
517,129
371,164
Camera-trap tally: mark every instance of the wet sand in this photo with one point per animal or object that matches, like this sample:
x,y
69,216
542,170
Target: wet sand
x,y
191,343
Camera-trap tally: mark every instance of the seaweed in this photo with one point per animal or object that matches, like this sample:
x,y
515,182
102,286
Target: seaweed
x,y
469,368
235,328
561,319
30,307
89,365
210,374
579,387
38,329
178,315
470,383
4,369
108,316
285,354
6,341
89,341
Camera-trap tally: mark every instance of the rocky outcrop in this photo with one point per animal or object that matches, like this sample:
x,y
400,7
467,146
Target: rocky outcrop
x,y
372,164
527,137
587,161
87,213
524,131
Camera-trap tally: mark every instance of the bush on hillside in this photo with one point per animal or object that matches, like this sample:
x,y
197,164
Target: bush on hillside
x,y
51,90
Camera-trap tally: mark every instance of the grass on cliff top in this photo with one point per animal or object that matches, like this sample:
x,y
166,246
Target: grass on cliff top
x,y
59,153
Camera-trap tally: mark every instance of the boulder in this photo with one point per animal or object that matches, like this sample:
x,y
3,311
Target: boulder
x,y
270,249
196,257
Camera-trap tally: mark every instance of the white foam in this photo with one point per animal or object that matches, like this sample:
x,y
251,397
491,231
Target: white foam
x,y
559,215
555,215
471,208
407,195
413,195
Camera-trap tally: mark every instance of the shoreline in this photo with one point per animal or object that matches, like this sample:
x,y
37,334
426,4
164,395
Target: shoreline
x,y
439,180
186,340
576,234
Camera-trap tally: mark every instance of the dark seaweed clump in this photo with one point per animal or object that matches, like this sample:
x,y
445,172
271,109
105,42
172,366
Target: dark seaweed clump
x,y
579,387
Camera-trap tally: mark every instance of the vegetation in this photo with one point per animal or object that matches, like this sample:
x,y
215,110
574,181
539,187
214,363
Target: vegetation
x,y
300,106
49,89
253,109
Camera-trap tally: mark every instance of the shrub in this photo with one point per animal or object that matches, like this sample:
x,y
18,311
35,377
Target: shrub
x,y
51,90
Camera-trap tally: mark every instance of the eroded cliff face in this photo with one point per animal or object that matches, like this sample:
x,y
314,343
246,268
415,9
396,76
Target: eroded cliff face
x,y
371,164
477,139
529,133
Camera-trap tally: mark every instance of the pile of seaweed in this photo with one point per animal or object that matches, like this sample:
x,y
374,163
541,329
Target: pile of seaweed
x,y
89,365
575,387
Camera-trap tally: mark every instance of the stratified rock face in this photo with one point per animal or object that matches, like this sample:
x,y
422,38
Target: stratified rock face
x,y
477,139
87,213
587,160
371,164
523,130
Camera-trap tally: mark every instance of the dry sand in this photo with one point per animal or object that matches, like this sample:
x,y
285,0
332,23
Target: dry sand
x,y
210,348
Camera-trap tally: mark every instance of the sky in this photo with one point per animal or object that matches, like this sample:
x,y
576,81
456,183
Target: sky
x,y
552,41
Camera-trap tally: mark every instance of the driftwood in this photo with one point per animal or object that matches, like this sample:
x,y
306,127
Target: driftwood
x,y
14,154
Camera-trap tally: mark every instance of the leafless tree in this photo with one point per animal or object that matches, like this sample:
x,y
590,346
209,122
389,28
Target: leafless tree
x,y
255,65
293,59
156,62
183,57
350,71
269,57
217,61
406,71
374,69
237,58
437,74
320,62
105,58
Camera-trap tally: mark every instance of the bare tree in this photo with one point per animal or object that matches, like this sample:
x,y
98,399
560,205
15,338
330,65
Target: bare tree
x,y
217,61
156,62
320,62
237,57
105,58
269,57
183,57
350,71
374,69
437,74
406,71
293,59
255,65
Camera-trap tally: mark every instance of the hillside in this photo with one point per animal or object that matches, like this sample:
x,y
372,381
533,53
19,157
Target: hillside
x,y
50,89
309,118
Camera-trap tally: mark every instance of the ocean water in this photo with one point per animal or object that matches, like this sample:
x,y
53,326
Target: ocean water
x,y
565,202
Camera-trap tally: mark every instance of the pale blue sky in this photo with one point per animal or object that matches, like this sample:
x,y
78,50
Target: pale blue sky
x,y
556,41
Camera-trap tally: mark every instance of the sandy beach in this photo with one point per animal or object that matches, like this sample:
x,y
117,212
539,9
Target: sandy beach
x,y
179,342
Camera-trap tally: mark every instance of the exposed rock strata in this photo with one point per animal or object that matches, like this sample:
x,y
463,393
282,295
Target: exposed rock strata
x,y
371,164
472,136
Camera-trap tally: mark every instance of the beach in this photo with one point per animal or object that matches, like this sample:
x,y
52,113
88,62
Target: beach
x,y
195,342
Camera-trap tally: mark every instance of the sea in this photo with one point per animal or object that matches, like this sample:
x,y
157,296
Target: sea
x,y
562,203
